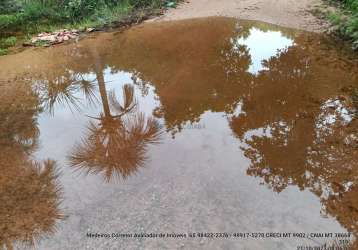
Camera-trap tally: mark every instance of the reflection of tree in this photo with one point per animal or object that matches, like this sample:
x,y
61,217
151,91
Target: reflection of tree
x,y
117,141
142,85
280,104
236,58
117,144
190,77
279,108
29,199
296,136
18,124
29,192
65,90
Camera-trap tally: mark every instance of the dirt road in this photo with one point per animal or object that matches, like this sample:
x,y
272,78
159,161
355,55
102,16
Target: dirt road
x,y
288,13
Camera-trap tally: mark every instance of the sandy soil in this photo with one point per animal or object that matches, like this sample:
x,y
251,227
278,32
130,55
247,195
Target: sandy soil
x,y
287,13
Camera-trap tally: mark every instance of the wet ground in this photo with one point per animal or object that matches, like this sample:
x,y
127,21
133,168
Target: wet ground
x,y
209,125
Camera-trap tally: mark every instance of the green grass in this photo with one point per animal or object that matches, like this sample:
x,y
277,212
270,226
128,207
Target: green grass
x,y
334,18
8,42
345,19
29,17
3,52
54,12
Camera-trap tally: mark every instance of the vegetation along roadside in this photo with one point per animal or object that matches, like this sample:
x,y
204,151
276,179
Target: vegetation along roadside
x,y
20,19
344,18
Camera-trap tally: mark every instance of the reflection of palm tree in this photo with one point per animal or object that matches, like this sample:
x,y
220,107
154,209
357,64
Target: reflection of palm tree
x,y
29,199
19,107
29,192
62,90
118,143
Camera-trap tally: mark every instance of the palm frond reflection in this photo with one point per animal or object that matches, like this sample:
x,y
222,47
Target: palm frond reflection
x,y
116,145
68,90
30,191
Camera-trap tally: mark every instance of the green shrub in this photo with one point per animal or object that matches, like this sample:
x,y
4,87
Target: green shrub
x,y
145,3
31,13
352,4
36,15
3,52
78,9
9,6
334,18
35,11
346,19
7,21
8,42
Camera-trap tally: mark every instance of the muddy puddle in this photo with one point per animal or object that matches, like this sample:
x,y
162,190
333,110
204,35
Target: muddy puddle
x,y
198,126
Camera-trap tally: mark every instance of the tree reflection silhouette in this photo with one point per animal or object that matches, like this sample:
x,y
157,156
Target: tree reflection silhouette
x,y
117,140
189,77
64,89
294,138
280,104
117,144
29,191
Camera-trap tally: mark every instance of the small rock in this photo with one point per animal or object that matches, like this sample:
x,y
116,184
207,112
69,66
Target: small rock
x,y
59,40
89,29
34,40
50,38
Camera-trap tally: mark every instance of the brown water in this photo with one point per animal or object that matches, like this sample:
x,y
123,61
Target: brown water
x,y
205,125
